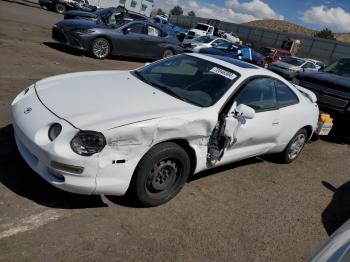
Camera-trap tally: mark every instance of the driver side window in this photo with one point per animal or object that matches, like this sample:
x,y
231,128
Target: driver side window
x,y
259,94
137,28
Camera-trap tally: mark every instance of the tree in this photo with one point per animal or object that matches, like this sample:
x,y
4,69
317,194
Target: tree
x,y
191,13
160,12
177,10
325,33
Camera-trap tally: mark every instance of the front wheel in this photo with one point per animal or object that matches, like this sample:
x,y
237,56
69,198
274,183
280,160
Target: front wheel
x,y
294,147
60,8
167,53
100,48
160,174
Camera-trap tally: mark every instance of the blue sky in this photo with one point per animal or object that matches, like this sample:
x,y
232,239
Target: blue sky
x,y
314,14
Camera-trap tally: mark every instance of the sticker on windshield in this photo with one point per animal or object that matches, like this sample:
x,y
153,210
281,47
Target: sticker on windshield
x,y
223,73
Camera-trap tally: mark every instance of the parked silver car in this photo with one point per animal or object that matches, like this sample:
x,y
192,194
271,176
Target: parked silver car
x,y
289,67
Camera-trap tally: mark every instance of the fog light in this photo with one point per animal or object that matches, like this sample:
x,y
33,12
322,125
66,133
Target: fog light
x,y
67,168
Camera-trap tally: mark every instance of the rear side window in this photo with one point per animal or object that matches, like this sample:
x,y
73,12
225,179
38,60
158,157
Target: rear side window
x,y
259,94
285,96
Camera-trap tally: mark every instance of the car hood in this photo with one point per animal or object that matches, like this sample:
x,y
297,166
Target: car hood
x,y
332,81
102,100
76,13
79,23
283,64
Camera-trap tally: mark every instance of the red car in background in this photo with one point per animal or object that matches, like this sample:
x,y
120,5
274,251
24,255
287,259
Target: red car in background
x,y
274,54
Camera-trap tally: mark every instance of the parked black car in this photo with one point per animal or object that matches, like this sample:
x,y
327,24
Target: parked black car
x,y
141,39
117,13
332,87
62,6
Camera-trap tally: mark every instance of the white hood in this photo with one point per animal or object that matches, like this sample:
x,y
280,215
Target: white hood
x,y
102,100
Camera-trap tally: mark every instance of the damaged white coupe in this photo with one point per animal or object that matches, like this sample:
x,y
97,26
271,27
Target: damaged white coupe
x,y
146,131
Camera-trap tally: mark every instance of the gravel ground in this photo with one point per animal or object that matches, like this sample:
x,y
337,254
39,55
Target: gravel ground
x,y
254,210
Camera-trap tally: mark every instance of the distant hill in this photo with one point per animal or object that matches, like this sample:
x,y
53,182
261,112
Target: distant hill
x,y
284,26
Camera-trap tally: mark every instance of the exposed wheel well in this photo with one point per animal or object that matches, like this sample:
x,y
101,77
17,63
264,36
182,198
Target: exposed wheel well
x,y
309,131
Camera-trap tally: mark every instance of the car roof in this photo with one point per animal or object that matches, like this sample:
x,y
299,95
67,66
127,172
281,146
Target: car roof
x,y
243,68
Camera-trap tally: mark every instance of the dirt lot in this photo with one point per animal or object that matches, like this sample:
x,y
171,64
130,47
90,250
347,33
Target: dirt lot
x,y
254,210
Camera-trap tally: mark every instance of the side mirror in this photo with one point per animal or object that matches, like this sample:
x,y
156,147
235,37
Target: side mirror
x,y
245,111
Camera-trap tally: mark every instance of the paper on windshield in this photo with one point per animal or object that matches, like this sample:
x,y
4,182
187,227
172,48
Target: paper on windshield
x,y
223,73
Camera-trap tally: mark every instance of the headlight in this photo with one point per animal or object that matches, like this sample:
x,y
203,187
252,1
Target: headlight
x,y
87,143
54,131
82,30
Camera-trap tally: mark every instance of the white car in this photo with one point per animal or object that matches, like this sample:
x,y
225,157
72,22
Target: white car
x,y
147,130
319,64
289,67
198,43
232,37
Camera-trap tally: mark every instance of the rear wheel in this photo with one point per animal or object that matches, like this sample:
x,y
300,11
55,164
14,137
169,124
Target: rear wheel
x,y
294,147
167,53
60,8
161,174
100,48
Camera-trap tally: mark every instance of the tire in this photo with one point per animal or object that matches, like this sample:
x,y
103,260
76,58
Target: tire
x,y
167,53
297,142
100,48
160,174
60,8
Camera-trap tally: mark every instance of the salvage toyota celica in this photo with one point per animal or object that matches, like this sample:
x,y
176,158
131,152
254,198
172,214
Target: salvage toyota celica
x,y
145,131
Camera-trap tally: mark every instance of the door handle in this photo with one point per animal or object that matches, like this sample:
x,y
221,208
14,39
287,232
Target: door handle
x,y
275,123
142,38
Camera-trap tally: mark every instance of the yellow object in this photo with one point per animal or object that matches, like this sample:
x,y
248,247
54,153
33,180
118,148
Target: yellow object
x,y
326,118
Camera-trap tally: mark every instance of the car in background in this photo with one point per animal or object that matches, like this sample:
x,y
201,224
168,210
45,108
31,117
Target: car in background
x,y
140,39
274,54
198,43
106,14
236,51
289,67
62,6
332,88
201,29
180,32
146,131
231,37
319,64
336,248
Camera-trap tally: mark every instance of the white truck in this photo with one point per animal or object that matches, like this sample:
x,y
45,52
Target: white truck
x,y
201,29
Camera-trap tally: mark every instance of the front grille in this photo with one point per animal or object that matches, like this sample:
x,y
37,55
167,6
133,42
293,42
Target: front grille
x,y
327,95
57,33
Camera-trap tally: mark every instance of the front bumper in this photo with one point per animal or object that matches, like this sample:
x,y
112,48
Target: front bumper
x,y
99,174
69,38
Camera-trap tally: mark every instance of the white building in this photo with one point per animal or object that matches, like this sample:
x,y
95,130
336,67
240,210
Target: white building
x,y
143,7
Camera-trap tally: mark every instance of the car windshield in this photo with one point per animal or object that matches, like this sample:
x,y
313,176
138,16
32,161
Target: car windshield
x,y
188,78
202,27
341,67
203,39
293,61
